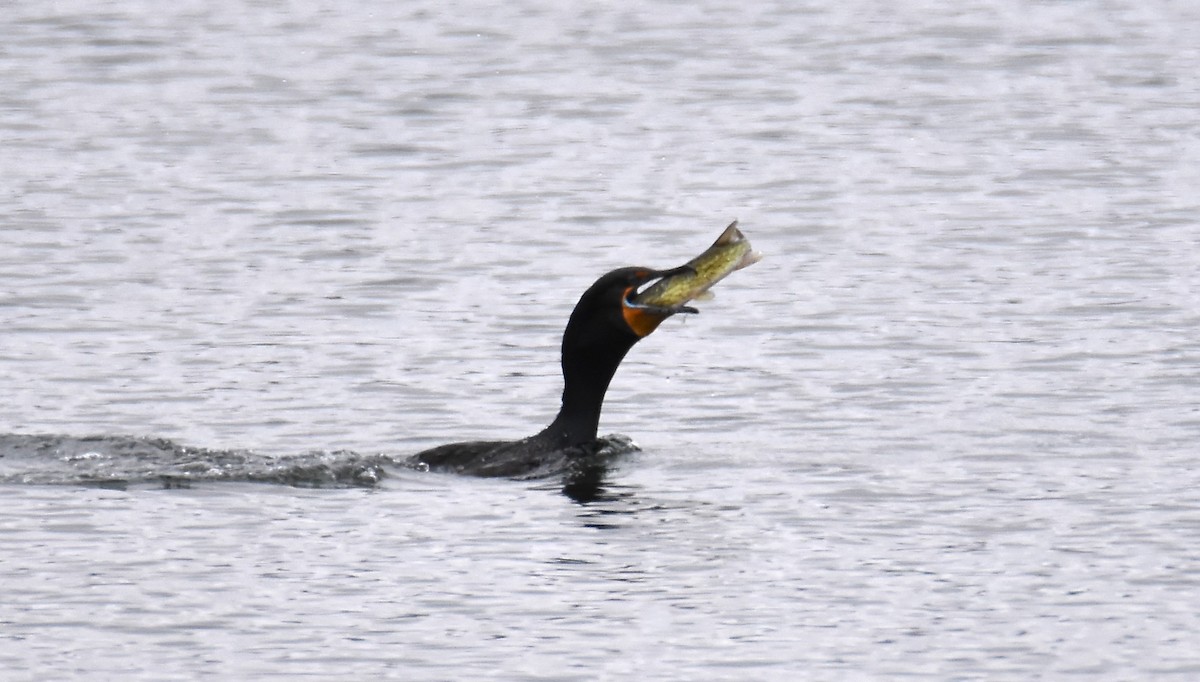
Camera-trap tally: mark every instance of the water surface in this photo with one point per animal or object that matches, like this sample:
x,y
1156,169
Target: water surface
x,y
944,430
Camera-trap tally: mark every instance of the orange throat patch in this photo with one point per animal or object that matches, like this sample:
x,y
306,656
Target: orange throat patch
x,y
640,320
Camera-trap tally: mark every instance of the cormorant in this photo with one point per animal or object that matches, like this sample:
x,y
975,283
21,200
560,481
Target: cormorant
x,y
603,327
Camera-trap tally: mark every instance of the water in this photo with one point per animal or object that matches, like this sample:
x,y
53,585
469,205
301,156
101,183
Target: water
x,y
945,430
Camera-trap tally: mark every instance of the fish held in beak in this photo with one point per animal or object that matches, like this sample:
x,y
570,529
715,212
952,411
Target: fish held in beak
x,y
675,287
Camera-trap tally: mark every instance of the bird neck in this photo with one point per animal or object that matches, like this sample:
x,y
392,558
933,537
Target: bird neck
x,y
587,371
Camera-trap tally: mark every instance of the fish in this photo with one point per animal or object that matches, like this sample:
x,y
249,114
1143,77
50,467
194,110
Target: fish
x,y
731,251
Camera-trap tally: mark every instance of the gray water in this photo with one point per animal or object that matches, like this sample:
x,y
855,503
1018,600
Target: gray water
x,y
945,430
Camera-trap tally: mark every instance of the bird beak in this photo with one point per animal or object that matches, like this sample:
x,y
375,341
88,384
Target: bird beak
x,y
650,278
643,319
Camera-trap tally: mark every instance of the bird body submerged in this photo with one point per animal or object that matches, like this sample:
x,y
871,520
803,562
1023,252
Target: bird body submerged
x,y
528,458
606,322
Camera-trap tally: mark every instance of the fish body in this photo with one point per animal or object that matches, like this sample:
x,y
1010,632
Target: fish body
x,y
731,251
